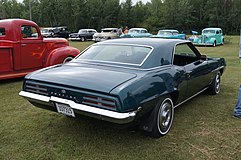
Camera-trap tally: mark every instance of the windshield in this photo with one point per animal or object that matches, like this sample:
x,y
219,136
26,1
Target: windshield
x,y
209,32
107,30
44,30
134,31
82,31
165,32
117,53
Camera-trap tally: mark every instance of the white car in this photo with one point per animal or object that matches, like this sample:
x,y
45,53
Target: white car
x,y
106,33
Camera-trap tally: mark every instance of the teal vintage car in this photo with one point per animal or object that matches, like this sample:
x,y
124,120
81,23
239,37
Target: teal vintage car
x,y
136,33
137,81
169,33
210,37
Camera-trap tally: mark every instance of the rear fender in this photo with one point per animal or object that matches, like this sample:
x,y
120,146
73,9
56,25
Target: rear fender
x,y
58,55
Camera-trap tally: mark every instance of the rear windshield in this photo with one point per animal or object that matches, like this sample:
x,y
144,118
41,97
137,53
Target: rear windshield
x,y
116,53
2,32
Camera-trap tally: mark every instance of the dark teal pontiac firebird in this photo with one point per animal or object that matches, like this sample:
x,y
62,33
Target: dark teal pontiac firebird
x,y
127,81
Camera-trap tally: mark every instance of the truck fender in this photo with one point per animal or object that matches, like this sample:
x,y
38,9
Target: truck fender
x,y
212,40
58,55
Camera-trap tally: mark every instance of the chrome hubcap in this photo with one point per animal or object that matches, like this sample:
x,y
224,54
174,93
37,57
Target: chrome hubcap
x,y
165,116
217,83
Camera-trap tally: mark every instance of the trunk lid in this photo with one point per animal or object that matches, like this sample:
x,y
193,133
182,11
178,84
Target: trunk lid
x,y
96,79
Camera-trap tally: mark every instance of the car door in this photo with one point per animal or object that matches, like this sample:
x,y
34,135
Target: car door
x,y
32,48
218,37
197,72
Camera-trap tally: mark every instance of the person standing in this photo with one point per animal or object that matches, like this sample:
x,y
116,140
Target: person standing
x,y
237,109
126,30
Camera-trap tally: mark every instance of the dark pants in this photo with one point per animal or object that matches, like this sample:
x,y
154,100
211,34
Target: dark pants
x,y
237,109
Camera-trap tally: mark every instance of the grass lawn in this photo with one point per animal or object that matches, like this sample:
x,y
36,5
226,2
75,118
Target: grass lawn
x,y
203,128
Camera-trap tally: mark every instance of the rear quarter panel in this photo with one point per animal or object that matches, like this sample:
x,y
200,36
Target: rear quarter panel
x,y
146,89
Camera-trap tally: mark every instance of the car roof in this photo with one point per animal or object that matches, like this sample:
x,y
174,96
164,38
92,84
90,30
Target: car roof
x,y
108,28
153,42
138,29
170,30
212,29
88,29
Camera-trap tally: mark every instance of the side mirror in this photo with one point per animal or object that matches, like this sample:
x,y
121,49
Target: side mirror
x,y
203,57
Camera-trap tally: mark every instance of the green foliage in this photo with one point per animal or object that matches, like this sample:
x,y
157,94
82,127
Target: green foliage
x,y
184,15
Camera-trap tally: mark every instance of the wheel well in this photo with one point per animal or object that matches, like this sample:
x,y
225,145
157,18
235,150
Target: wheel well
x,y
221,71
174,96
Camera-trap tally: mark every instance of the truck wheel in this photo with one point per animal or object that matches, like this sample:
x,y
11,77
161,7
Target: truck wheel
x,y
214,87
214,44
222,41
163,117
67,59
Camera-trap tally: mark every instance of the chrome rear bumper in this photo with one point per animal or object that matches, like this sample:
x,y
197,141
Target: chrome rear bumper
x,y
49,103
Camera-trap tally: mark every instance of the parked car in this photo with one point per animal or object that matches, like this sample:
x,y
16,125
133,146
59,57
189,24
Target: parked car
x,y
61,32
127,81
169,33
193,36
82,35
106,33
47,32
210,37
23,49
137,33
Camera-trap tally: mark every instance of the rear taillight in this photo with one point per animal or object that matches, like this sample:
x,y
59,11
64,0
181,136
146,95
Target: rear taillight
x,y
35,88
99,102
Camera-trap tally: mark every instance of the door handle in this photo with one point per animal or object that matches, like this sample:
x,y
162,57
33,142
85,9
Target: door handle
x,y
23,45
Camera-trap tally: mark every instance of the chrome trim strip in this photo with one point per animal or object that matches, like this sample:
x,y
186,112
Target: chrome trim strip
x,y
94,110
190,97
34,96
81,107
139,69
218,68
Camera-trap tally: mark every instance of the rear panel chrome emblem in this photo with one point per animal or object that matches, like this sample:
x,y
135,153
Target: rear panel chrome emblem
x,y
63,91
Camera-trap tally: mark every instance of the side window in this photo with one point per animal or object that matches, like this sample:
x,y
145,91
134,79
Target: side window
x,y
2,32
143,31
175,33
184,55
29,32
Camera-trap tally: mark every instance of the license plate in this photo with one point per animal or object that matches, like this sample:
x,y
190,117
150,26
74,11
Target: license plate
x,y
65,109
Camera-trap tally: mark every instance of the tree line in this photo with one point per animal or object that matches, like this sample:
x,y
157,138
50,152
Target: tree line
x,y
183,15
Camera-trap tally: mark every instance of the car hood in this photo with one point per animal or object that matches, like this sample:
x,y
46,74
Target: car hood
x,y
102,80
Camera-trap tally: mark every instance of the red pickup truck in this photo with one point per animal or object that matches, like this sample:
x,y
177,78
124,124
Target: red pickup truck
x,y
23,49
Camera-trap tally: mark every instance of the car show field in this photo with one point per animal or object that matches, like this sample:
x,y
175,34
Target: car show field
x,y
203,127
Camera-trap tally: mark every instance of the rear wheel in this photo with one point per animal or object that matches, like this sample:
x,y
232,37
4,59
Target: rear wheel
x,y
214,87
67,59
163,117
82,39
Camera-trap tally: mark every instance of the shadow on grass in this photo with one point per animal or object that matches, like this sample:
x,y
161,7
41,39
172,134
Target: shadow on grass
x,y
8,81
